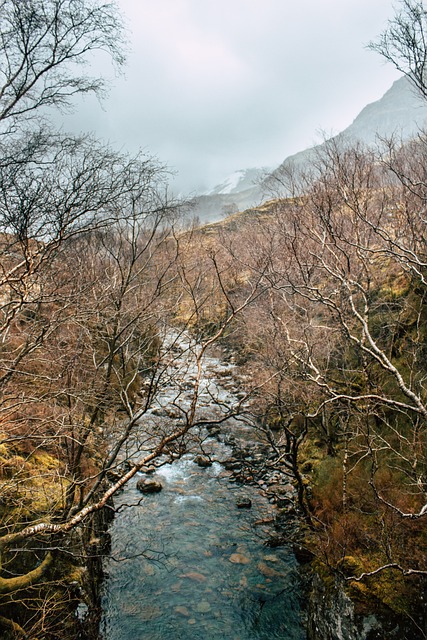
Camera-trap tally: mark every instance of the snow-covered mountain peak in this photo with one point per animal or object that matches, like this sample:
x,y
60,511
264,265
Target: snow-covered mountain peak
x,y
237,182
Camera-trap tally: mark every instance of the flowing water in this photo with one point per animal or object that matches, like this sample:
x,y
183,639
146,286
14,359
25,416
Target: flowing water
x,y
186,563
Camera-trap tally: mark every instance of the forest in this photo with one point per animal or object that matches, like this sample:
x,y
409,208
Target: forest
x,y
320,293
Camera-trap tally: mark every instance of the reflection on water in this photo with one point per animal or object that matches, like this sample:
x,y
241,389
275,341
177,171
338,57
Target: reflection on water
x,y
186,563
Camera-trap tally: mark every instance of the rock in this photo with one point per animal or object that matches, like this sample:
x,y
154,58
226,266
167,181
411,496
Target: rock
x,y
149,612
148,569
273,487
203,607
148,486
183,611
113,476
239,558
173,413
202,461
194,575
302,554
264,521
271,558
267,571
232,465
245,503
160,412
283,501
214,431
276,541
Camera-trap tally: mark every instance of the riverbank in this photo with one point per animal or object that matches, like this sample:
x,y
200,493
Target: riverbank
x,y
224,534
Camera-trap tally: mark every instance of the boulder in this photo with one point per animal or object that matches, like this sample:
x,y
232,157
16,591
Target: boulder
x,y
239,558
245,503
214,431
202,461
113,476
150,470
148,486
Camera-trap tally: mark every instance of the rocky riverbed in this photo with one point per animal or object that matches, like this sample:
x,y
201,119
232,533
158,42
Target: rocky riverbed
x,y
191,560
201,548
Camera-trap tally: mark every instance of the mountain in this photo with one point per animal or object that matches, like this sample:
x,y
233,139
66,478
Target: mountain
x,y
239,181
237,192
399,112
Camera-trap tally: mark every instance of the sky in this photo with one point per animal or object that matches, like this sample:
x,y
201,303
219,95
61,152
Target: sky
x,y
213,86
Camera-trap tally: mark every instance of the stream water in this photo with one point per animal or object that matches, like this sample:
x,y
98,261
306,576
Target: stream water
x,y
187,563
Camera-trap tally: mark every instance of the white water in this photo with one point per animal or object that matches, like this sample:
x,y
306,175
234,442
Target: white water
x,y
186,563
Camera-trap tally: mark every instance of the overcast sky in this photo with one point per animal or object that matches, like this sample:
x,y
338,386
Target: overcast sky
x,y
212,86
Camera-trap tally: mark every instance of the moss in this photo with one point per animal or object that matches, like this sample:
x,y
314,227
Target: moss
x,y
358,592
13,466
32,485
387,591
43,461
350,566
312,452
325,573
77,575
393,590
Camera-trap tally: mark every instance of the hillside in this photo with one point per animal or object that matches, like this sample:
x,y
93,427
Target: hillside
x,y
400,112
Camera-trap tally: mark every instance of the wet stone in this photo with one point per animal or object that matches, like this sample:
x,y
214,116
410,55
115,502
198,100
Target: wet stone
x,y
149,612
150,470
113,476
160,413
203,607
204,581
245,503
267,571
149,486
202,461
214,431
239,558
194,575
232,465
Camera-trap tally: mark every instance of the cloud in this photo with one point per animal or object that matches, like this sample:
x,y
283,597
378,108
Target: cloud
x,y
217,85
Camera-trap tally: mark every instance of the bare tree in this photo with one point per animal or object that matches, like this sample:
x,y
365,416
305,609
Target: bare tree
x,y
339,337
79,333
403,43
44,44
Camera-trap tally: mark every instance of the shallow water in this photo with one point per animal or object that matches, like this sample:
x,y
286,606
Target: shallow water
x,y
186,563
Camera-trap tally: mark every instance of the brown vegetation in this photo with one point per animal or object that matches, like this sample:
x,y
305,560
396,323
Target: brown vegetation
x,y
321,294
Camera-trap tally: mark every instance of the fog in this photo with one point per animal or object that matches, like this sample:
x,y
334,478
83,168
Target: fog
x,y
215,86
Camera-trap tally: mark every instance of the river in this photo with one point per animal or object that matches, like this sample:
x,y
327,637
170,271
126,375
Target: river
x,y
188,563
